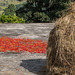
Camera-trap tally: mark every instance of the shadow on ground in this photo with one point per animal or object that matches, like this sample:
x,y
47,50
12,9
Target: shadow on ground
x,y
34,65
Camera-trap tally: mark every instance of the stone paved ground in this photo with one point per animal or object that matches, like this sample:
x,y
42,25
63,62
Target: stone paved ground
x,y
23,63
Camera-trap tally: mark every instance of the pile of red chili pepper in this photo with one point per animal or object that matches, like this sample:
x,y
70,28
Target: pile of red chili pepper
x,y
17,45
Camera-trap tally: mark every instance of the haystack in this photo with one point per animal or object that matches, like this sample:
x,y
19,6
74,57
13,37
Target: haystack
x,y
61,45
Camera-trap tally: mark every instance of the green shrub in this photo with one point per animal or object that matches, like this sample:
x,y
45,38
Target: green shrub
x,y
11,19
10,10
41,17
28,17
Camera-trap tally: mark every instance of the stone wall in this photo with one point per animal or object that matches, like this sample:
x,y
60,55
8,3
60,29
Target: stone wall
x,y
28,30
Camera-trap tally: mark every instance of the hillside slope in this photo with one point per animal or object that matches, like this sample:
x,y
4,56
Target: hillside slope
x,y
4,4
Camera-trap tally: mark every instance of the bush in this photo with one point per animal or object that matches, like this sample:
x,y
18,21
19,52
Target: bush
x,y
10,10
36,17
11,19
57,9
43,10
28,17
41,17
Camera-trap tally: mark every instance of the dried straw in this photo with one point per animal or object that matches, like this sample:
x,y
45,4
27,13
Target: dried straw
x,y
61,45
